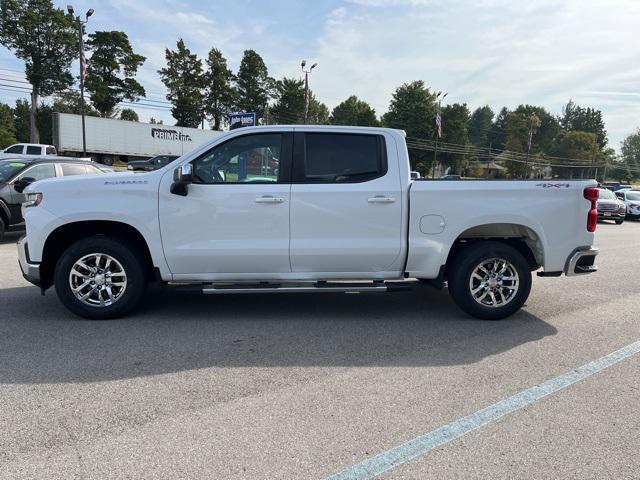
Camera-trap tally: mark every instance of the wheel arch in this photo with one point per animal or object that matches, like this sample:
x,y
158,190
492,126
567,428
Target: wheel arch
x,y
521,237
65,235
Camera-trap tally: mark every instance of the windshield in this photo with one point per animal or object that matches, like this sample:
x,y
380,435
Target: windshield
x,y
633,196
8,168
607,195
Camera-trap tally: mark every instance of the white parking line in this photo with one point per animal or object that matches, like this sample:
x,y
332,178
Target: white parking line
x,y
406,452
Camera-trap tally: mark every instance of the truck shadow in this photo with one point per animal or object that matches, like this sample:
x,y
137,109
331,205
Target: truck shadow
x,y
40,342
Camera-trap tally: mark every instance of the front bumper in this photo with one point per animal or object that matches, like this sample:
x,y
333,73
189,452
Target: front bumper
x,y
581,261
30,271
611,215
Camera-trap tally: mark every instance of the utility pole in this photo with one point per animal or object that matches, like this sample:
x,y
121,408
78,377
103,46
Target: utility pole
x,y
526,163
306,87
83,69
438,130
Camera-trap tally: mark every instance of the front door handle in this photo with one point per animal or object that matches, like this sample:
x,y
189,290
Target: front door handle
x,y
381,199
269,199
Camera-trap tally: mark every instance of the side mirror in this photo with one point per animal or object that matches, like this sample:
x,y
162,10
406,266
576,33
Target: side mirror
x,y
182,176
23,183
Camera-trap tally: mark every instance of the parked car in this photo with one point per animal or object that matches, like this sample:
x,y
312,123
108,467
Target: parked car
x,y
610,207
17,173
631,199
151,163
28,150
303,209
615,186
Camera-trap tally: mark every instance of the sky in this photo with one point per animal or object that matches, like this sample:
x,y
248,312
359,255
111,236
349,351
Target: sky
x,y
482,52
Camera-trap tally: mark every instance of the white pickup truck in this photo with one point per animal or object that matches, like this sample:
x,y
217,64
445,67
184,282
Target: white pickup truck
x,y
302,209
28,150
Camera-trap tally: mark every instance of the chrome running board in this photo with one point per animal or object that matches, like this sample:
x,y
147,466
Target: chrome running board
x,y
317,287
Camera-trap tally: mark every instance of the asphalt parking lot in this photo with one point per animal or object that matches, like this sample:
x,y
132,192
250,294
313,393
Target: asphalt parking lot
x,y
305,386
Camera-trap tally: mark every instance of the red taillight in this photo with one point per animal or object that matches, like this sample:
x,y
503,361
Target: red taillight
x,y
591,194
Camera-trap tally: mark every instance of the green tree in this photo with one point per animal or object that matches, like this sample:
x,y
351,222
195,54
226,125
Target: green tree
x,y
45,123
455,119
413,109
498,134
577,118
631,155
129,115
547,131
253,84
576,145
45,38
70,102
354,112
517,138
289,105
480,124
318,112
21,114
111,71
219,94
7,126
183,77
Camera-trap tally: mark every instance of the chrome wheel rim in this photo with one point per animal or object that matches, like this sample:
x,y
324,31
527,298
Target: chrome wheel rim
x,y
98,280
494,282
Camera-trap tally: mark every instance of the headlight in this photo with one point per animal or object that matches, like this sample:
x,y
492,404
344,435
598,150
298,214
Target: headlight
x,y
33,200
129,167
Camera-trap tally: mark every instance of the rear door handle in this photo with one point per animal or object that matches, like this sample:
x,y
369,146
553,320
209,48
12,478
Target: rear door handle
x,y
269,199
381,199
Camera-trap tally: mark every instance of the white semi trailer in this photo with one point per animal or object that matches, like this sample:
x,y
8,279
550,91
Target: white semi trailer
x,y
109,139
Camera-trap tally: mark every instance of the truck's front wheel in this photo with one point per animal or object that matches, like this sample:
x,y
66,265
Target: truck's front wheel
x,y
100,278
489,280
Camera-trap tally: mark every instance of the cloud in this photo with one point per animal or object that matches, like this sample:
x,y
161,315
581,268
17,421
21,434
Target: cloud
x,y
486,52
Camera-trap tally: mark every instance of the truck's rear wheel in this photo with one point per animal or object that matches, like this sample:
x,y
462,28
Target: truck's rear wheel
x,y
100,278
489,280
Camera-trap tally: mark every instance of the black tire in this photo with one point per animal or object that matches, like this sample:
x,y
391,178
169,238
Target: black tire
x,y
122,252
107,160
2,229
462,267
619,222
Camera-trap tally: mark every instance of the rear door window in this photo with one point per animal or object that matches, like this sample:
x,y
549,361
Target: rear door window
x,y
73,169
343,158
51,151
32,150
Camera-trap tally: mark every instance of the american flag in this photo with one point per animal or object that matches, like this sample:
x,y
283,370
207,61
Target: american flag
x,y
439,123
84,65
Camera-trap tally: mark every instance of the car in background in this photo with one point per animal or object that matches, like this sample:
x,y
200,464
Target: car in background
x,y
28,150
631,199
151,163
610,207
17,173
615,186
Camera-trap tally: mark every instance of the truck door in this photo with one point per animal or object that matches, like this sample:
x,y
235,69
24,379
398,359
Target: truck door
x,y
346,205
235,216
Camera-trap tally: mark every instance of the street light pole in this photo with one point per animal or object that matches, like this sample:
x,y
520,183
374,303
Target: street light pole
x,y
83,62
306,87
